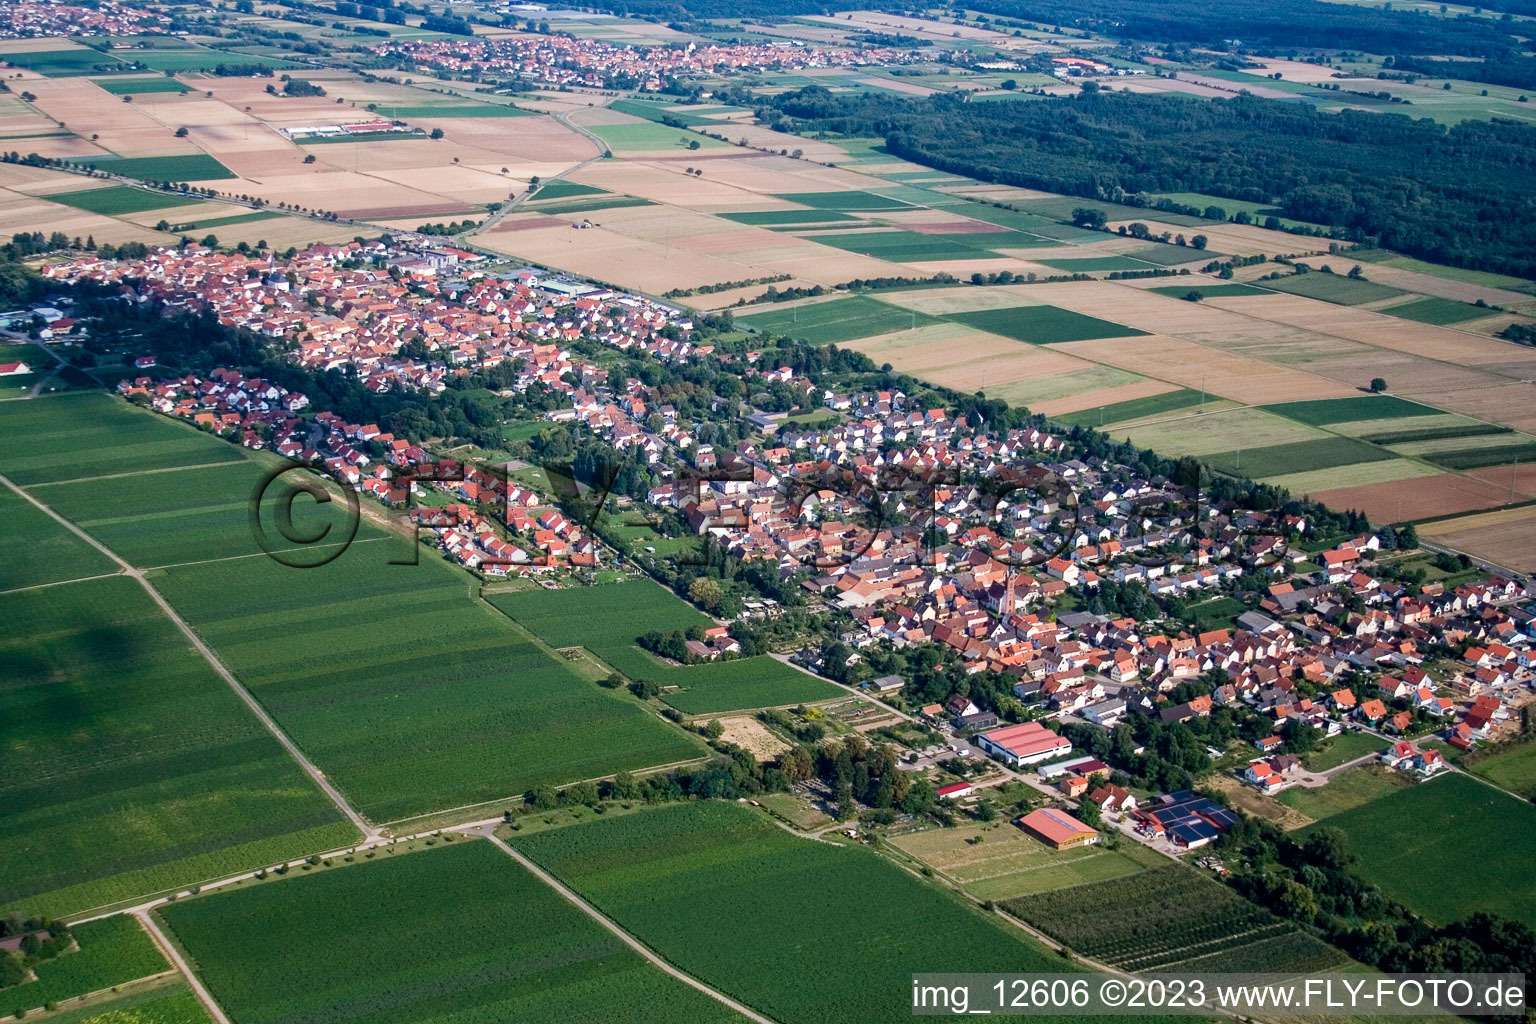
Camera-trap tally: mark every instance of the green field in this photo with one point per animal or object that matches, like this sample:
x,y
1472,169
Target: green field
x,y
910,246
236,218
840,319
90,434
854,200
562,188
1336,288
1295,457
1166,254
1478,458
801,931
39,550
1344,747
1436,823
203,60
187,167
670,111
1438,311
1173,919
409,693
190,515
1060,208
606,620
459,934
112,951
129,766
1089,264
1513,769
1436,433
589,204
62,63
1345,791
1043,325
160,1004
1323,411
1134,409
1209,291
774,217
648,136
135,86
115,200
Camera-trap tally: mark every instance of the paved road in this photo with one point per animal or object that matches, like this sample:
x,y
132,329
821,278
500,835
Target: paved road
x,y
619,933
330,791
174,956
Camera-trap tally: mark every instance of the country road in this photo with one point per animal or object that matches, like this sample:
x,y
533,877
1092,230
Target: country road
x,y
172,954
369,831
619,933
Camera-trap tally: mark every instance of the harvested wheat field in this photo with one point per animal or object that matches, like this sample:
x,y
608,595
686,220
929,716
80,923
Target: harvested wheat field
x,y
1233,239
1506,537
1377,329
608,255
944,301
1219,373
964,358
127,129
24,213
752,736
1424,497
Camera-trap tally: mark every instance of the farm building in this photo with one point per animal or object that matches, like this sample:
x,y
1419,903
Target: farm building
x,y
955,790
1058,829
14,369
1028,743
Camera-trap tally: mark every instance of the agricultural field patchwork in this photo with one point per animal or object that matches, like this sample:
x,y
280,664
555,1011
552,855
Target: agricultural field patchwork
x,y
1173,919
1393,837
651,872
487,941
607,620
112,951
411,695
132,767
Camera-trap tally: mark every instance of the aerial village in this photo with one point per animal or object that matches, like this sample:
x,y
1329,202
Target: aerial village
x,y
906,526
576,61
107,18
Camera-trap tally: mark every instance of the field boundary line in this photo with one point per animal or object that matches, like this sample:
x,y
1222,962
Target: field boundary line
x,y
369,832
60,583
629,940
346,545
86,997
136,472
171,953
648,770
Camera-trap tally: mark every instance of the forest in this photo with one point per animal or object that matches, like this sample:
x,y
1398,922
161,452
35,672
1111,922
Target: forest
x,y
1512,69
1273,25
1266,25
1398,181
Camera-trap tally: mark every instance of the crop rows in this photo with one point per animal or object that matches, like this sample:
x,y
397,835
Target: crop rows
x,y
460,934
1170,917
805,932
